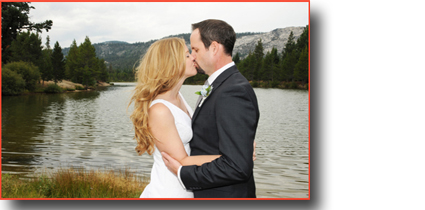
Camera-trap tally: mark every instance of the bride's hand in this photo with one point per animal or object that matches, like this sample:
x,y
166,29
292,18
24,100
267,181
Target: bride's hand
x,y
172,164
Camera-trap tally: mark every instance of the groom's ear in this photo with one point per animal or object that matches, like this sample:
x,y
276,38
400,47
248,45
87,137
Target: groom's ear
x,y
214,47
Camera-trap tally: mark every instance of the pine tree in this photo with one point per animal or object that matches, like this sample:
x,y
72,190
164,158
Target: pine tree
x,y
289,46
236,58
288,66
266,68
302,41
15,19
89,63
248,66
71,66
289,59
48,43
27,47
103,72
58,63
301,68
270,66
46,65
258,59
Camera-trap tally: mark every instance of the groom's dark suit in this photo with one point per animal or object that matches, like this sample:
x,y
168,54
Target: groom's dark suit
x,y
225,124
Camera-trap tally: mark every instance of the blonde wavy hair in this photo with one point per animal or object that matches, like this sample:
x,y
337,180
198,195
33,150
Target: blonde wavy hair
x,y
160,69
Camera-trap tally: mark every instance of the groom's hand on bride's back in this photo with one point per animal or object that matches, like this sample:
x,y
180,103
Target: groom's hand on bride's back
x,y
172,164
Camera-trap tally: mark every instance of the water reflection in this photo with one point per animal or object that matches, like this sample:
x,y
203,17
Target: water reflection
x,y
20,124
93,130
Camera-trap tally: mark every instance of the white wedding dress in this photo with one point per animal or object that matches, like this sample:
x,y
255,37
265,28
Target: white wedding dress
x,y
163,183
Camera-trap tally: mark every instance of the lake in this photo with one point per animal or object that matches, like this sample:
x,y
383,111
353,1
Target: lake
x,y
92,129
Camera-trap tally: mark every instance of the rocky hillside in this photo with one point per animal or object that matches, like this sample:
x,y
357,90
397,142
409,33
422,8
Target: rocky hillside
x,y
276,38
123,55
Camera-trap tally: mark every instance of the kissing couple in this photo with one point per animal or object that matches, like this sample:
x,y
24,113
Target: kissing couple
x,y
208,153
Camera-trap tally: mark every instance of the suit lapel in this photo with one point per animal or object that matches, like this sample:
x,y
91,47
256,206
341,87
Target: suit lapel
x,y
217,82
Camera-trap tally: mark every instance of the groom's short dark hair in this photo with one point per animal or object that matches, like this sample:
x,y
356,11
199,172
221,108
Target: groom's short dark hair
x,y
216,30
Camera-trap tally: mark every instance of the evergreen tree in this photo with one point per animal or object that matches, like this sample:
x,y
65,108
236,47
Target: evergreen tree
x,y
48,42
288,66
46,68
27,47
270,68
301,68
236,58
302,41
266,68
289,46
247,66
289,59
87,69
15,19
46,64
103,72
258,59
71,66
58,63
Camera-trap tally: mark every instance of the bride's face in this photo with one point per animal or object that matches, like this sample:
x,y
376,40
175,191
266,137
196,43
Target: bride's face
x,y
190,65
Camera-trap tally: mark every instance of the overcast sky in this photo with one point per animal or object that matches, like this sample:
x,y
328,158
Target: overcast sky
x,y
145,21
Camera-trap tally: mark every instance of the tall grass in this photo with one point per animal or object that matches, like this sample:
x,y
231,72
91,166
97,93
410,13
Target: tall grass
x,y
75,183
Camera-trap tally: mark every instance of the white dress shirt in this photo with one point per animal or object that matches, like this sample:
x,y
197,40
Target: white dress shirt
x,y
210,81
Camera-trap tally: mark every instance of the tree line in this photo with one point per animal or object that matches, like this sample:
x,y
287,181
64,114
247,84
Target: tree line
x,y
288,69
25,61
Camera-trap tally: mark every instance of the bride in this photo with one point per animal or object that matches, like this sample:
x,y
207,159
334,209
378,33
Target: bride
x,y
162,118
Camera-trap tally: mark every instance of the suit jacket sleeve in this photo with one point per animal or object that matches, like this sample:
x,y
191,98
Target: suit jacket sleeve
x,y
236,120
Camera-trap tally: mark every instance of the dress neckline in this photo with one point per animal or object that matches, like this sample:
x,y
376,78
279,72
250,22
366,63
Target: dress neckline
x,y
185,104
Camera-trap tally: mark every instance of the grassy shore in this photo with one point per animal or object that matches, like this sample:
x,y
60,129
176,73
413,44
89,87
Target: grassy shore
x,y
75,183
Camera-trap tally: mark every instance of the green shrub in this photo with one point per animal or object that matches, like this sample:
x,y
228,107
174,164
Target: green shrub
x,y
12,82
274,84
293,85
70,89
28,72
79,87
53,88
39,89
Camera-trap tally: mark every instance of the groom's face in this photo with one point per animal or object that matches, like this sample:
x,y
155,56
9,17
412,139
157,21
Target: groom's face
x,y
199,53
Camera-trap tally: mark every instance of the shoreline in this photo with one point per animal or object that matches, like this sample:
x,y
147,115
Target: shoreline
x,y
65,86
71,182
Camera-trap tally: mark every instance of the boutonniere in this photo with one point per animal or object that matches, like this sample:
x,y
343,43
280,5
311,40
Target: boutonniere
x,y
204,92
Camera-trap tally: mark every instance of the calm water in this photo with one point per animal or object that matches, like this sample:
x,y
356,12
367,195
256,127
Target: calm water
x,y
93,130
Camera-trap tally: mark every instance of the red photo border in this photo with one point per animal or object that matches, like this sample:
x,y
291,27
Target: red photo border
x,y
309,109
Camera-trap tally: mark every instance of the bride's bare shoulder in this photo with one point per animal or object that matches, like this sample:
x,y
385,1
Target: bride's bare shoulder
x,y
160,112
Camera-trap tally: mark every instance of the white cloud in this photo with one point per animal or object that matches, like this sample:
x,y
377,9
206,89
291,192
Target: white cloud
x,y
144,21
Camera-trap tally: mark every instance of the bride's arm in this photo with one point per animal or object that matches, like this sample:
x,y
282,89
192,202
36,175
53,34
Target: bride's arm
x,y
161,124
198,159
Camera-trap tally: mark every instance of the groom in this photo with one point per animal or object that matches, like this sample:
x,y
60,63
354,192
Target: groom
x,y
224,123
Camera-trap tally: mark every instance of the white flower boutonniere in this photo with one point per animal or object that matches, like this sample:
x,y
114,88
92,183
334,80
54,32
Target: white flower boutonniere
x,y
205,92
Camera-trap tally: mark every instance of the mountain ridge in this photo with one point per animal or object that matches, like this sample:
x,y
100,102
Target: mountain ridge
x,y
122,55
